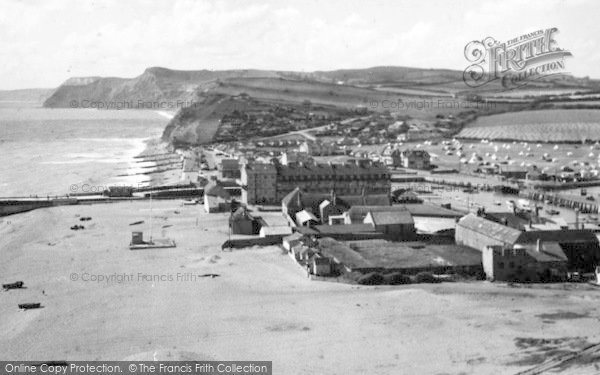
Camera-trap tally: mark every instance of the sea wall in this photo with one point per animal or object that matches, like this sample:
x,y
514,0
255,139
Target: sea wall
x,y
14,207
9,207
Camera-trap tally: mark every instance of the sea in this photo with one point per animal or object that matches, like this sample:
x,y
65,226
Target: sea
x,y
46,151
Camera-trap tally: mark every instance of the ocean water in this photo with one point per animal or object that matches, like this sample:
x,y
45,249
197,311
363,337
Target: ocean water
x,y
58,151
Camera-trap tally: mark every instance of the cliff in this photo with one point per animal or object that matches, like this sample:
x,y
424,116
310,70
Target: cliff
x,y
154,85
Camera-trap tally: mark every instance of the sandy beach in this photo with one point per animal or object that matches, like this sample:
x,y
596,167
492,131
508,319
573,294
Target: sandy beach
x,y
153,174
103,301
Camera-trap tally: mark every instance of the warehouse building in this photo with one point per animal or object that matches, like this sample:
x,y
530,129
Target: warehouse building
x,y
581,247
542,262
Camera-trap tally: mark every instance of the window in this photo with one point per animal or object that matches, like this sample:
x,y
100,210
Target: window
x,y
511,264
501,265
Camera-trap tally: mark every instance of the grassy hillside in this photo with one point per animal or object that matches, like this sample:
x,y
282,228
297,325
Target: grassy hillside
x,y
198,124
345,96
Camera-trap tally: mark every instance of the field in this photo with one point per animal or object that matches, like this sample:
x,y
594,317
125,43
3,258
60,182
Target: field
x,y
537,92
413,91
543,125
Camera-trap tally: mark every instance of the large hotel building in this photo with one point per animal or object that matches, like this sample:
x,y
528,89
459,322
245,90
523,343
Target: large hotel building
x,y
269,183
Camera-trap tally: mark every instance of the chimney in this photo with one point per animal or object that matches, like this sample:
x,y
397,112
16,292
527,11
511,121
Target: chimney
x,y
299,200
333,197
538,246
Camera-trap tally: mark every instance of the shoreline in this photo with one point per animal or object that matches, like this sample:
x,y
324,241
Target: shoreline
x,y
153,146
158,175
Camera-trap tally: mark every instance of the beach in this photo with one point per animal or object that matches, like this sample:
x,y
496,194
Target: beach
x,y
102,301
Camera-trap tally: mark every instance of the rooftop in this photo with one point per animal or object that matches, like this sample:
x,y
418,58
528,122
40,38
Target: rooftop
x,y
386,254
305,216
313,201
549,252
490,229
511,235
560,236
431,210
261,167
293,237
391,217
342,253
344,229
240,214
230,164
520,221
215,189
358,212
415,152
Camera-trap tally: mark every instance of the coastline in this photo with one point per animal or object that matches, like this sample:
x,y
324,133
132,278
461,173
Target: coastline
x,y
147,160
162,165
63,151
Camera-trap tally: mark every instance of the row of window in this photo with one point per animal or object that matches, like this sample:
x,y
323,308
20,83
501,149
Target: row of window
x,y
334,177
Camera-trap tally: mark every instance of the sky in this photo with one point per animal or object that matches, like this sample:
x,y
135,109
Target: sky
x,y
46,42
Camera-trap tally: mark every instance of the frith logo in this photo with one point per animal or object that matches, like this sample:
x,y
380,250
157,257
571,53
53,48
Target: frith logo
x,y
516,62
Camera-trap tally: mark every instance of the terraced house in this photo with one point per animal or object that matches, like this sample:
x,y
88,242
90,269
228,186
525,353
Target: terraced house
x,y
352,178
